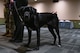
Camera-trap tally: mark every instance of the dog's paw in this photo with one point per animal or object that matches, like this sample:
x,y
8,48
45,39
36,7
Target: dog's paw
x,y
59,45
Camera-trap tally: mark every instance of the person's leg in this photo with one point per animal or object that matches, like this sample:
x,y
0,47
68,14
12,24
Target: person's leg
x,y
18,32
11,26
6,16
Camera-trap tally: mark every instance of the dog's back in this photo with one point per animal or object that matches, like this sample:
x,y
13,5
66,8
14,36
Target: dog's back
x,y
45,18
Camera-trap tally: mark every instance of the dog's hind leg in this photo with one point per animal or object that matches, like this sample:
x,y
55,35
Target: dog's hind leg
x,y
58,35
52,32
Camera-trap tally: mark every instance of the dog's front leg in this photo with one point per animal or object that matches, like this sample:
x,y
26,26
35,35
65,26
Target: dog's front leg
x,y
29,37
38,39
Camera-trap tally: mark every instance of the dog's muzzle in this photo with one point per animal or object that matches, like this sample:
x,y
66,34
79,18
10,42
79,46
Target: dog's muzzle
x,y
27,15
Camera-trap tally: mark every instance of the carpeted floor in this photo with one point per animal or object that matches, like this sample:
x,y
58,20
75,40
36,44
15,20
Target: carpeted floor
x,y
70,39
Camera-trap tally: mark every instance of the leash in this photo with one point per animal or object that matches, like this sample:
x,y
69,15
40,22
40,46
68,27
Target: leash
x,y
18,13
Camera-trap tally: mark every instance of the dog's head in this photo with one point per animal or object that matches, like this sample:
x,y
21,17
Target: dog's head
x,y
27,12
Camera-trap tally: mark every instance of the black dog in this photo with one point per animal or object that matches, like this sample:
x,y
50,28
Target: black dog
x,y
34,21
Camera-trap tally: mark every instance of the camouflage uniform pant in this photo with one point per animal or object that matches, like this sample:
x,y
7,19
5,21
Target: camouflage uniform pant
x,y
9,23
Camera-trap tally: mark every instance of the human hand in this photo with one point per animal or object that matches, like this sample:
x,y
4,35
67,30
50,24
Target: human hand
x,y
12,1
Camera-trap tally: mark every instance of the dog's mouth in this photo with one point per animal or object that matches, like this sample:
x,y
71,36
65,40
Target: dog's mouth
x,y
26,14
